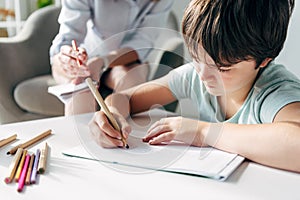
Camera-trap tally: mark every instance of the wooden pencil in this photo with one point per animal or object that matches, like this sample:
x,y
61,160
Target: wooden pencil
x,y
20,166
43,159
30,166
30,142
21,181
8,140
75,48
35,167
13,166
105,109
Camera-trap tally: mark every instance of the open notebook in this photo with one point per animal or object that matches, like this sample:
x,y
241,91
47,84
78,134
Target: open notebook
x,y
175,157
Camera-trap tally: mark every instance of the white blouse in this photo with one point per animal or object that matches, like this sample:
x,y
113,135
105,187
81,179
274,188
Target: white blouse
x,y
101,26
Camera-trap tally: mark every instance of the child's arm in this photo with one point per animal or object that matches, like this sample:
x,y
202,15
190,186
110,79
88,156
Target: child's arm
x,y
275,144
133,100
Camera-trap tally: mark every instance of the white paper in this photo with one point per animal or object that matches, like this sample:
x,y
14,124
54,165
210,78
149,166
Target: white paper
x,y
175,157
65,91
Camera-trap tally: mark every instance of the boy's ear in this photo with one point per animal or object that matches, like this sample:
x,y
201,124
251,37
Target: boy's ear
x,y
265,62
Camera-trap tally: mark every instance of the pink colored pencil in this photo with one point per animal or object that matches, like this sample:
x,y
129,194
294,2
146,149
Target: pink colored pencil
x,y
23,174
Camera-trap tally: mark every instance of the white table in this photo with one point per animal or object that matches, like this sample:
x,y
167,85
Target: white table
x,y
74,178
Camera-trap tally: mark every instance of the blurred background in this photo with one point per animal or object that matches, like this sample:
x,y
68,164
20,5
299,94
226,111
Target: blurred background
x,y
24,53
13,14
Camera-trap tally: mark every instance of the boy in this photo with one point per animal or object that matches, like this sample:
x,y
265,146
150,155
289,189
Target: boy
x,y
247,104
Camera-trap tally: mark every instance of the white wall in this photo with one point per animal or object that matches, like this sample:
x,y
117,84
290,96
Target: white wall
x,y
289,55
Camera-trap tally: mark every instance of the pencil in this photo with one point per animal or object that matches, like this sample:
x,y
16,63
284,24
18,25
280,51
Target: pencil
x,y
8,140
20,167
75,48
27,180
43,160
23,174
13,166
105,109
35,166
30,142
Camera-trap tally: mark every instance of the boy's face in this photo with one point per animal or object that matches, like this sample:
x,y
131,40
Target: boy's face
x,y
236,79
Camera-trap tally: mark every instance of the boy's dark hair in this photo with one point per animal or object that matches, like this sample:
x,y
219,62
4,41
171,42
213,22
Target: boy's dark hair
x,y
231,31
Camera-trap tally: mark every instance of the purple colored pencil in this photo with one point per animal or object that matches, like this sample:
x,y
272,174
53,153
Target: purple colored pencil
x,y
35,167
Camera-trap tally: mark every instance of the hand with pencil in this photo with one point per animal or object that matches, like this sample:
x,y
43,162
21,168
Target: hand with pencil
x,y
71,64
105,134
109,128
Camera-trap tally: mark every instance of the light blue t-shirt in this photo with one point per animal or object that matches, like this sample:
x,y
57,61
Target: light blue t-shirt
x,y
274,88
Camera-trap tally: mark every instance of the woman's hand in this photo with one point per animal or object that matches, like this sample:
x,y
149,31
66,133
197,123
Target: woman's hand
x,y
70,64
175,128
104,133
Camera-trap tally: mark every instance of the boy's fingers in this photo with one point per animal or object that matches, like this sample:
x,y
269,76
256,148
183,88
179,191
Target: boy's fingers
x,y
165,137
101,138
105,126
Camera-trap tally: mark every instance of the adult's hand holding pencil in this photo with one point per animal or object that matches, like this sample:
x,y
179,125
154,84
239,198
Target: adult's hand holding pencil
x,y
105,128
70,63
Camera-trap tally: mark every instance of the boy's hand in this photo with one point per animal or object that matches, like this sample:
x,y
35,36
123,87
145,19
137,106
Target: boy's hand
x,y
104,133
175,128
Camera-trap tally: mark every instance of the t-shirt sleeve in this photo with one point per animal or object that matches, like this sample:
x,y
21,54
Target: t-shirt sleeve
x,y
180,81
276,97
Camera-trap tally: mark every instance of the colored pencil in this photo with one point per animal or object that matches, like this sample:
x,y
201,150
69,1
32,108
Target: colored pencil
x,y
75,48
105,109
21,181
30,142
20,167
35,167
30,166
13,166
43,160
8,140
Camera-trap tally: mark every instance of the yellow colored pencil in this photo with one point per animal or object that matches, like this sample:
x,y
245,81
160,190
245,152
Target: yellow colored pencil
x,y
20,167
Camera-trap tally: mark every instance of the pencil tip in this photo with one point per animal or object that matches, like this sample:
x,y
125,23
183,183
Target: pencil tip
x,y
127,146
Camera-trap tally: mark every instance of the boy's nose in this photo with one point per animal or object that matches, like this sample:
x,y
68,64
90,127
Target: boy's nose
x,y
206,73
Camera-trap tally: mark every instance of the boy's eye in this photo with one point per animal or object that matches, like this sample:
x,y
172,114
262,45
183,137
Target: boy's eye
x,y
223,70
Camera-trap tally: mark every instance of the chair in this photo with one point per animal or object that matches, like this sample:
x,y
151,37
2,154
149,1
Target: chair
x,y
26,62
26,56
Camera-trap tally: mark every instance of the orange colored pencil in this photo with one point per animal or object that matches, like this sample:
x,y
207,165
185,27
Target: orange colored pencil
x,y
30,166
